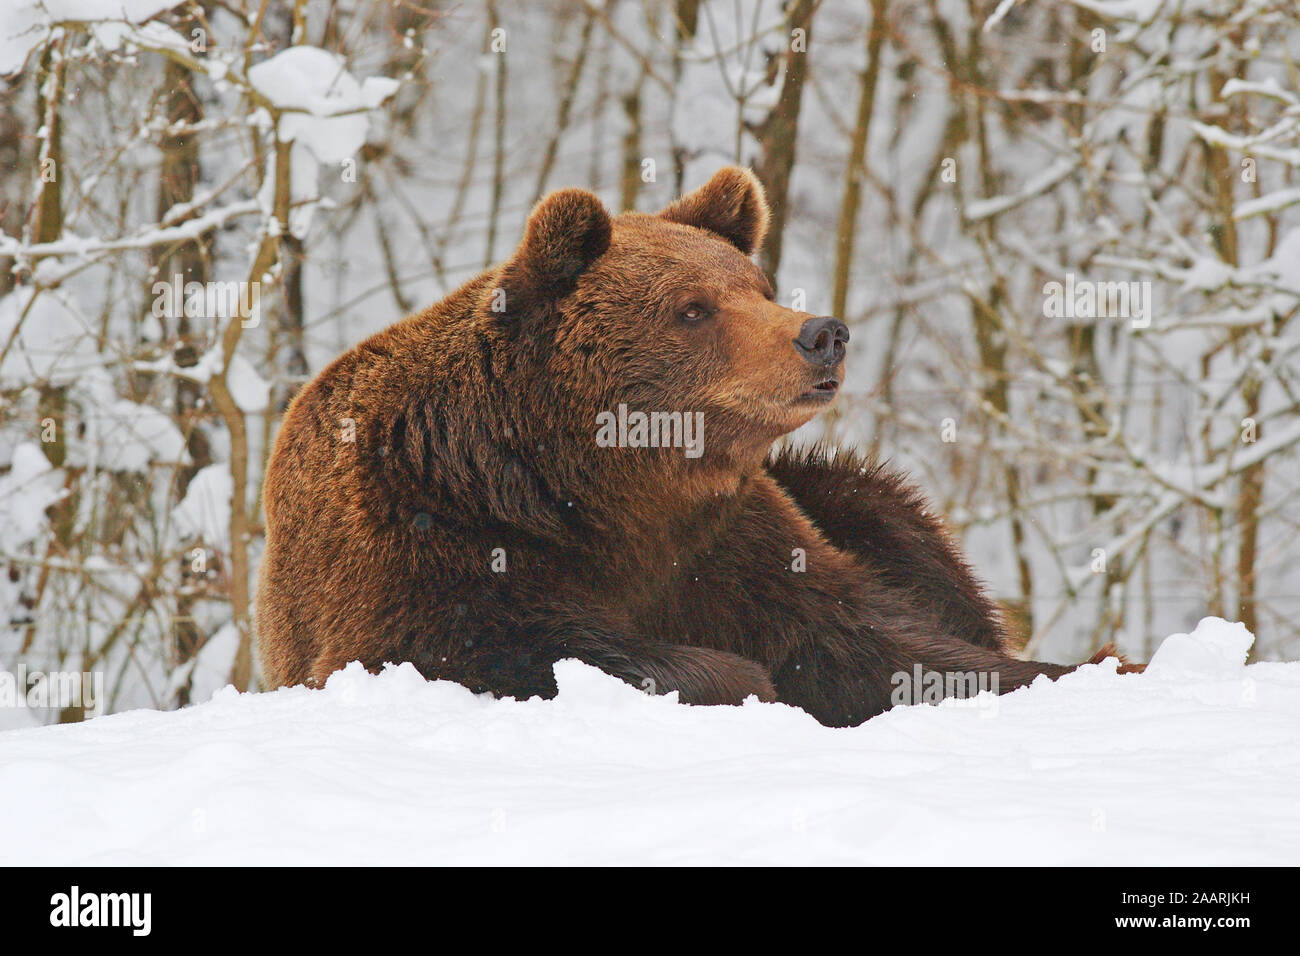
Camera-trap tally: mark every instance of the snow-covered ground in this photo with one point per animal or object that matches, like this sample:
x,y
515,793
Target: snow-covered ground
x,y
1197,761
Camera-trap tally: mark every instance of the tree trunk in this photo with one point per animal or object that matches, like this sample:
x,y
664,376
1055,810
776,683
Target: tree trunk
x,y
847,227
178,174
777,134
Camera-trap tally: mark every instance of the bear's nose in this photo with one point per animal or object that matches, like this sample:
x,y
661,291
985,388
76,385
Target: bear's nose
x,y
821,340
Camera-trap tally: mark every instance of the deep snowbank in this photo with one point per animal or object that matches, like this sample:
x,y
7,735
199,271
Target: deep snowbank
x,y
1196,761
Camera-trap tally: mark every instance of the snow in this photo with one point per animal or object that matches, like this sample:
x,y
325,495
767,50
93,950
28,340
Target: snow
x,y
116,34
1037,185
325,115
1208,273
328,106
1270,202
30,487
1280,267
1194,762
251,392
204,513
1268,87
53,341
26,24
209,670
1190,655
121,435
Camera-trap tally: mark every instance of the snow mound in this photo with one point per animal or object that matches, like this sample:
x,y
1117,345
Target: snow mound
x,y
1194,762
1214,648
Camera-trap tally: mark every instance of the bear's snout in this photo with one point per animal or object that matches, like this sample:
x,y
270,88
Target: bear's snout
x,y
821,341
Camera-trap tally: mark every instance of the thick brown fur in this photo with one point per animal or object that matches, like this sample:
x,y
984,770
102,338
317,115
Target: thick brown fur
x,y
436,495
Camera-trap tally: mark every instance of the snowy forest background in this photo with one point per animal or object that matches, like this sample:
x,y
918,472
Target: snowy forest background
x,y
933,166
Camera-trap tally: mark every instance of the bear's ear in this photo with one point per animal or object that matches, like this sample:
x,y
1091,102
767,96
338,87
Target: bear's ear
x,y
730,204
566,232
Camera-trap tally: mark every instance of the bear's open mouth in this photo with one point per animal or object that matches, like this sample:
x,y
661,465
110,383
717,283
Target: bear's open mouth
x,y
823,391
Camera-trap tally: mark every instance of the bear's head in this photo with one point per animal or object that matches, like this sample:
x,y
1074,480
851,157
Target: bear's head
x,y
663,315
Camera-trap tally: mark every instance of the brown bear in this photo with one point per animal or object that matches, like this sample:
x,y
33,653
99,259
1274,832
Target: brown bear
x,y
568,457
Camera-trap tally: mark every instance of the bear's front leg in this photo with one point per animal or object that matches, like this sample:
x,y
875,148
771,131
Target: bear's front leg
x,y
871,512
512,654
699,675
843,683
838,630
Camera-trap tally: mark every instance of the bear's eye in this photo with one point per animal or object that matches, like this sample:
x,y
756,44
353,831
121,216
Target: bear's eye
x,y
694,312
